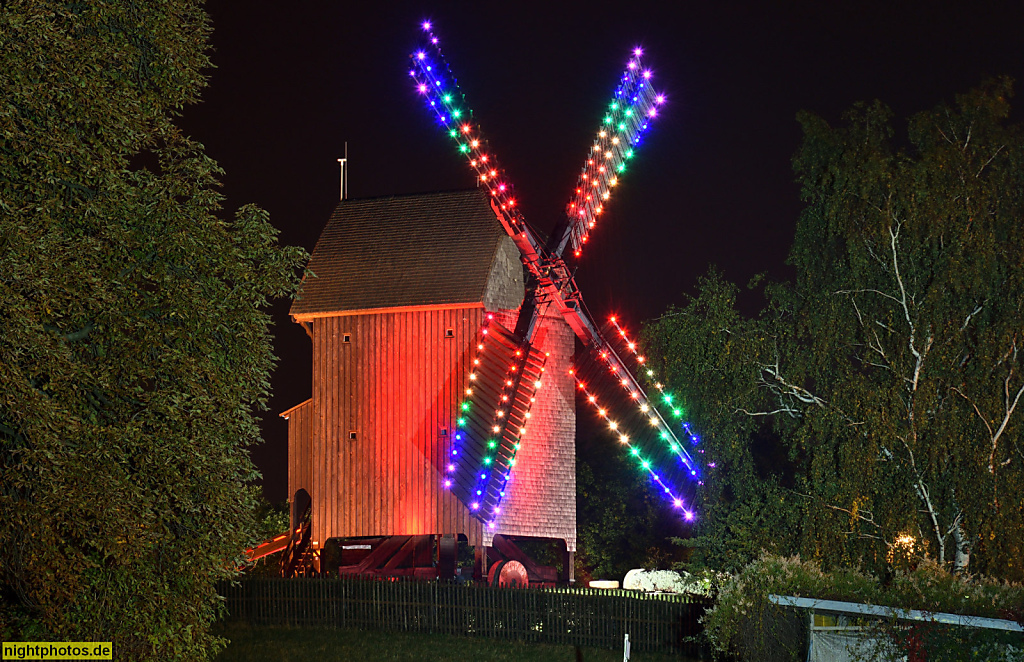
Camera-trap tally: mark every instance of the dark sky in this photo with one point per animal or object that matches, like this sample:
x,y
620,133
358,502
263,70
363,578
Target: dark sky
x,y
712,183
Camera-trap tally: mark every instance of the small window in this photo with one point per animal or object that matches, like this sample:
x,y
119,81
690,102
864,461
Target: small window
x,y
449,333
353,434
346,337
444,432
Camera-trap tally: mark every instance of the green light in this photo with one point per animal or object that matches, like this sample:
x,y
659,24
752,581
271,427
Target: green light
x,y
456,113
615,105
491,444
629,112
517,446
668,398
622,126
629,153
664,435
465,406
677,412
646,464
447,98
635,451
487,460
463,148
608,119
622,167
675,448
453,133
461,422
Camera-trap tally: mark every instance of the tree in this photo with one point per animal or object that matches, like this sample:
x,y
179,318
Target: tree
x,y
890,368
133,342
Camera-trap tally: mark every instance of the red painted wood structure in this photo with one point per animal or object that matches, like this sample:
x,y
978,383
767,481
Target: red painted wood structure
x,y
409,303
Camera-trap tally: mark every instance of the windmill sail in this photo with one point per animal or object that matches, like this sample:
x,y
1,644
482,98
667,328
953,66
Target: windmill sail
x,y
549,281
493,419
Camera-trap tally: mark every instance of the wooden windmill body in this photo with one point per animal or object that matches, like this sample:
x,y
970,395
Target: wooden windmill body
x,y
440,325
399,291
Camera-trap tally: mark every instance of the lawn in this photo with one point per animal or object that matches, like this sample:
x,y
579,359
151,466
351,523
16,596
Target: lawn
x,y
282,644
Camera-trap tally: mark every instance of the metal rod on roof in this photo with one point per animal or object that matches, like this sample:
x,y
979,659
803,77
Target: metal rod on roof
x,y
344,172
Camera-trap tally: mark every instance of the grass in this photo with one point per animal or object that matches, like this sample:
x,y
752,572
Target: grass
x,y
282,644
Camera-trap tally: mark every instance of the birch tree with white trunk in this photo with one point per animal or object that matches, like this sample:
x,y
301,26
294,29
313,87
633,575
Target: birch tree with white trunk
x,y
891,368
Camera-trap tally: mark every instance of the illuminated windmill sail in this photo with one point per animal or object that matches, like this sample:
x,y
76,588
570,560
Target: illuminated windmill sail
x,y
499,393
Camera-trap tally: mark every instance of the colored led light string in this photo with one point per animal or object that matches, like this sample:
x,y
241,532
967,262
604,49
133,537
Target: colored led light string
x,y
666,396
647,407
633,105
489,465
465,406
434,81
507,476
634,451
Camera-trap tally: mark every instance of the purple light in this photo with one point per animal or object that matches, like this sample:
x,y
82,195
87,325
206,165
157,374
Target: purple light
x,y
426,25
434,40
647,74
490,525
422,88
678,503
653,113
421,55
659,99
412,72
712,465
475,506
638,51
447,483
632,65
451,467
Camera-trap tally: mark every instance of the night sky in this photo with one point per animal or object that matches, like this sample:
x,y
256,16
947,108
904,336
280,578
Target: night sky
x,y
712,184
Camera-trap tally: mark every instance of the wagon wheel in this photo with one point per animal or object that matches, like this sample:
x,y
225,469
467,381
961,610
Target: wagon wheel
x,y
493,574
513,575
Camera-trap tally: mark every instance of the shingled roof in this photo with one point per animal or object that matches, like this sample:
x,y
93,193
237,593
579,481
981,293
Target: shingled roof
x,y
426,249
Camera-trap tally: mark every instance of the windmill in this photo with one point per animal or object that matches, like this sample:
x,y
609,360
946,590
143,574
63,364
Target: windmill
x,y
498,395
432,358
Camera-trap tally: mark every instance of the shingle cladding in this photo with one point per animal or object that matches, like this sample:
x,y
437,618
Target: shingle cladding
x,y
426,249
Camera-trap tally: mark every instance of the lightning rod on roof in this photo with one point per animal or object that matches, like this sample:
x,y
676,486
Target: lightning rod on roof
x,y
344,171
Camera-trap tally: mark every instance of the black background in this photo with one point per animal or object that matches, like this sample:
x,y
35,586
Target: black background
x,y
712,183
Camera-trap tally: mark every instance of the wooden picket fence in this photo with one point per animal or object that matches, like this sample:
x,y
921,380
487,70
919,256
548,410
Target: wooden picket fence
x,y
574,616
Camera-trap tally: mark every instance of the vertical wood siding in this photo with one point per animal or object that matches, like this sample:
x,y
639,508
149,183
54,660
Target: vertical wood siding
x,y
396,384
300,439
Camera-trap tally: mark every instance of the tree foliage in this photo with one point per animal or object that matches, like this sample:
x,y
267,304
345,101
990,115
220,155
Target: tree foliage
x,y
886,379
133,347
621,522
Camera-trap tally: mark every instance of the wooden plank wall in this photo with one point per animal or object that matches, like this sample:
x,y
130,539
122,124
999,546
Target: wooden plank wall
x,y
395,385
300,440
